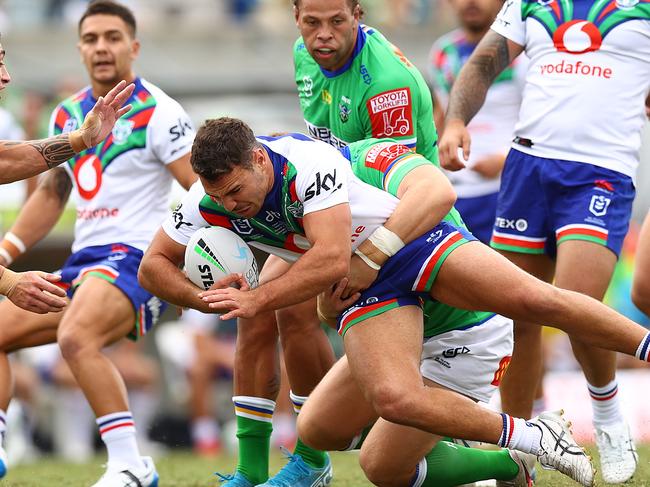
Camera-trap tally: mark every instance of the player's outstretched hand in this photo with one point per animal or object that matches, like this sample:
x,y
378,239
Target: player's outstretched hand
x,y
35,291
331,303
454,137
361,276
100,120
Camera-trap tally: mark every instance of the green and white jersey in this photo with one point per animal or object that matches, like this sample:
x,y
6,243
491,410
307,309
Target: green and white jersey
x,y
378,93
384,163
122,186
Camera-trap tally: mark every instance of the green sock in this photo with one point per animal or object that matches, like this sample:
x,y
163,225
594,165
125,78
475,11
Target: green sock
x,y
313,458
254,437
449,464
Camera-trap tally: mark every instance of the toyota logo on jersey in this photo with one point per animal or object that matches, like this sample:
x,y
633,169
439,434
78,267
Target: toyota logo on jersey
x,y
577,37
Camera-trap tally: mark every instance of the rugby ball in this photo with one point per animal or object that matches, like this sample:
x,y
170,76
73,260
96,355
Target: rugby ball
x,y
215,252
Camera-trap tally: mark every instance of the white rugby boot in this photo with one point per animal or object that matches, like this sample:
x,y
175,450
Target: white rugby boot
x,y
146,477
618,457
559,451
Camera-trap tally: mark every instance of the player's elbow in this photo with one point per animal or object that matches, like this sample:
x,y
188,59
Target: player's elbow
x,y
145,272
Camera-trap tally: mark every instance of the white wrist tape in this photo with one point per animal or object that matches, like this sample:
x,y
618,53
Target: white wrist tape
x,y
386,241
14,239
371,263
8,282
6,255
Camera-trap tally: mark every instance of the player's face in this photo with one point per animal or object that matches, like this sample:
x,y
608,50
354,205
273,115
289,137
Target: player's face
x,y
242,191
477,15
5,79
107,48
329,29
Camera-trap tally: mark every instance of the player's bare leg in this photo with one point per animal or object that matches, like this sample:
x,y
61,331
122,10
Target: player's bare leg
x,y
99,314
476,277
641,285
587,268
525,370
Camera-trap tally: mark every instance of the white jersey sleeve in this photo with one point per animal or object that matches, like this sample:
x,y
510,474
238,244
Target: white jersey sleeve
x,y
322,178
186,217
170,129
509,22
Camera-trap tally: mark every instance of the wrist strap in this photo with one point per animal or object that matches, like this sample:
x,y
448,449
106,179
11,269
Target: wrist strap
x,y
386,241
14,239
371,263
6,255
322,316
8,281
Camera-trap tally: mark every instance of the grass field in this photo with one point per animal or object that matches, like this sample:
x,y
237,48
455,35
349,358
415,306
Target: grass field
x,y
187,470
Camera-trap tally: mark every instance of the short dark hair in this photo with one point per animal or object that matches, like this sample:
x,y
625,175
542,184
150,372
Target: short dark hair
x,y
108,7
220,145
353,4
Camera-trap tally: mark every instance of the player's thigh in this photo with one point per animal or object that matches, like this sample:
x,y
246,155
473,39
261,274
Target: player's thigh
x,y
384,354
99,314
585,267
476,277
336,409
20,328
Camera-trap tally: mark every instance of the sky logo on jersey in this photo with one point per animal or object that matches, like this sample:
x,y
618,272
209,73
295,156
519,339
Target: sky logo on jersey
x,y
577,27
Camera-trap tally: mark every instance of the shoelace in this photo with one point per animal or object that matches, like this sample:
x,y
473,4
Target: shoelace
x,y
293,470
223,478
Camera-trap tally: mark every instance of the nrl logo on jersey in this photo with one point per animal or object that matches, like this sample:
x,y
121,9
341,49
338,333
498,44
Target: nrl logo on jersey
x,y
344,109
122,130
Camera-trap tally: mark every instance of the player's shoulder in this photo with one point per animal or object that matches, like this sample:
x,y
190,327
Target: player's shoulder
x,y
449,41
300,150
75,99
147,91
387,66
300,52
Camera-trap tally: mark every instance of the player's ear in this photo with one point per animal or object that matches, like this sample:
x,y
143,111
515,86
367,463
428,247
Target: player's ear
x,y
296,13
135,48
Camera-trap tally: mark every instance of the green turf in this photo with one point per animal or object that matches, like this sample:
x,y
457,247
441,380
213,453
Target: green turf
x,y
185,469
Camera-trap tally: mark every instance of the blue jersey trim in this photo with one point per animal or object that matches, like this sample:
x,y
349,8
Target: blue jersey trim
x,y
361,41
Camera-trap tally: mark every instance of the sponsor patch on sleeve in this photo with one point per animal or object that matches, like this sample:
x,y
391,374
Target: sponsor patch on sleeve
x,y
382,156
391,113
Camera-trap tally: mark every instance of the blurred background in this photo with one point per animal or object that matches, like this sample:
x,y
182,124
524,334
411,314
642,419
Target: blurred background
x,y
216,57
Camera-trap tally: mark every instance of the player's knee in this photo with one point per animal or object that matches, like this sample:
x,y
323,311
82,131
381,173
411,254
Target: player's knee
x,y
393,402
313,432
540,300
72,345
641,297
377,470
295,320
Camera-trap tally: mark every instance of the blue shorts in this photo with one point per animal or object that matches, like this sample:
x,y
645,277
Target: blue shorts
x,y
544,202
478,214
407,277
117,264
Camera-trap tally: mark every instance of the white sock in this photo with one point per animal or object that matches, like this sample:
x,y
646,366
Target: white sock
x,y
118,434
520,435
297,401
605,404
420,474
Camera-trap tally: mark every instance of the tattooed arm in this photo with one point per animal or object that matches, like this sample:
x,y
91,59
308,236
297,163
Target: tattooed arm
x,y
491,56
21,160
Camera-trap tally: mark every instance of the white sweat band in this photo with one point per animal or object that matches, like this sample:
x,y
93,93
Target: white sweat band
x,y
371,263
6,255
14,239
386,241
